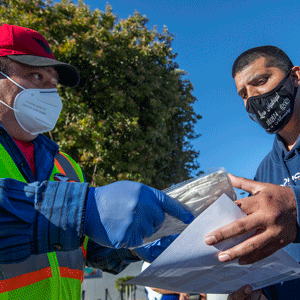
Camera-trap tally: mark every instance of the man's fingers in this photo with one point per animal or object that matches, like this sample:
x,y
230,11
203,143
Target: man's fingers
x,y
238,227
246,293
249,205
264,252
246,185
246,249
242,293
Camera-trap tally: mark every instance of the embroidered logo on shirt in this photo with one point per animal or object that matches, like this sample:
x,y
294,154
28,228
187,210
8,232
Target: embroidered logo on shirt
x,y
286,181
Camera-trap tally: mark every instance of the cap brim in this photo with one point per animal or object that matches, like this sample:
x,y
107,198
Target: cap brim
x,y
68,75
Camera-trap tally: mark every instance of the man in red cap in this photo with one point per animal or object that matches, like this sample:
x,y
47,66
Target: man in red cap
x,y
24,51
46,208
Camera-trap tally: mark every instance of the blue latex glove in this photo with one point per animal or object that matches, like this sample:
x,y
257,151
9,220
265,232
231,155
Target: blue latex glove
x,y
123,213
151,251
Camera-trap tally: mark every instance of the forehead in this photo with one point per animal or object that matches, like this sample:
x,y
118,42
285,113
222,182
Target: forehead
x,y
256,67
254,70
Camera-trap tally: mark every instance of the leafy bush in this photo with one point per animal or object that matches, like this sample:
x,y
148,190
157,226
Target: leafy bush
x,y
131,117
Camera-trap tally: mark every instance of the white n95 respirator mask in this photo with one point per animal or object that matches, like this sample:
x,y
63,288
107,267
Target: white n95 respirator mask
x,y
36,110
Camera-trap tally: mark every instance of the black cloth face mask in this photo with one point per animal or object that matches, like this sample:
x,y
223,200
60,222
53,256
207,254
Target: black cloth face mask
x,y
273,110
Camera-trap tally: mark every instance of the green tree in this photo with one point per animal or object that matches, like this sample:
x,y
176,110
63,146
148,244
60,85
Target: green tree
x,y
120,283
131,117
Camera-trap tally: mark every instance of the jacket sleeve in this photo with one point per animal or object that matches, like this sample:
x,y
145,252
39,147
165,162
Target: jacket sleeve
x,y
108,259
39,217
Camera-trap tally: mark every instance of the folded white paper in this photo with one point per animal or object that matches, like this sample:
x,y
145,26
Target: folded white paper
x,y
189,265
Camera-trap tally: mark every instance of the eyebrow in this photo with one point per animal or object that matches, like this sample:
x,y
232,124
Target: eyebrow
x,y
252,79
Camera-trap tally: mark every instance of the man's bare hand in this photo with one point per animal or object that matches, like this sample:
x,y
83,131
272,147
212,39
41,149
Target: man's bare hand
x,y
246,293
184,296
271,213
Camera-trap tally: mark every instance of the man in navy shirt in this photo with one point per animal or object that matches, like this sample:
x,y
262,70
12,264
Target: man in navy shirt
x,y
267,81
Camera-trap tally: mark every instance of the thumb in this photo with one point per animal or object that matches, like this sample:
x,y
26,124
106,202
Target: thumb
x,y
174,209
247,185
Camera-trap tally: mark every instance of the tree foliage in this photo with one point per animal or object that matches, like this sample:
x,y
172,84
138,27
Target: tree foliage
x,y
120,282
131,117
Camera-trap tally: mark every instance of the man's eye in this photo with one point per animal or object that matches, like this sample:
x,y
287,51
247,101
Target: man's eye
x,y
262,81
37,76
244,95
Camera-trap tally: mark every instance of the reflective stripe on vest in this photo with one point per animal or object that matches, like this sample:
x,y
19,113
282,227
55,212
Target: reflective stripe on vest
x,y
55,275
65,165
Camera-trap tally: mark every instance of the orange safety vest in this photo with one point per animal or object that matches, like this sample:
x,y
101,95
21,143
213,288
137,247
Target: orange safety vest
x,y
54,275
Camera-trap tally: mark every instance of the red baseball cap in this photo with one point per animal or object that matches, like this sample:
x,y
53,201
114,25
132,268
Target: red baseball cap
x,y
28,47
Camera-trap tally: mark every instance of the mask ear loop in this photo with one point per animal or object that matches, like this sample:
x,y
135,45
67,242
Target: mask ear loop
x,y
15,84
295,86
9,106
12,81
24,90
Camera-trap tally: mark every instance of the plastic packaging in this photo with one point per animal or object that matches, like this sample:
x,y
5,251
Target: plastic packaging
x,y
195,195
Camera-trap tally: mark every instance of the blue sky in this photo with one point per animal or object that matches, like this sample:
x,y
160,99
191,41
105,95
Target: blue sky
x,y
209,35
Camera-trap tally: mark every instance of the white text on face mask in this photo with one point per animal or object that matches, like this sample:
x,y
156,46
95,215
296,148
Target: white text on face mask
x,y
272,102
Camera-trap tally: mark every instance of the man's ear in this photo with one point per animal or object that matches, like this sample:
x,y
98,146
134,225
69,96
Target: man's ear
x,y
295,75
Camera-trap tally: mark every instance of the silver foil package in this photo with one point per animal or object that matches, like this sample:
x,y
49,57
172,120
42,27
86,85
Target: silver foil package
x,y
195,195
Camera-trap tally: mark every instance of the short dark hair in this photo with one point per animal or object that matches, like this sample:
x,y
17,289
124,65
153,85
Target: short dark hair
x,y
275,58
